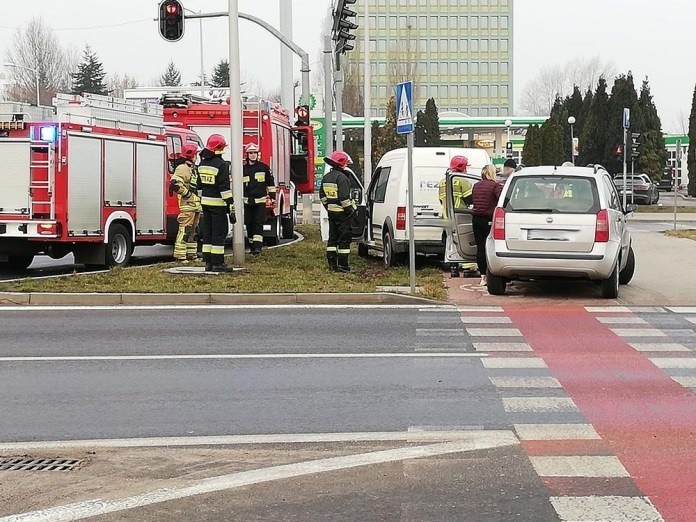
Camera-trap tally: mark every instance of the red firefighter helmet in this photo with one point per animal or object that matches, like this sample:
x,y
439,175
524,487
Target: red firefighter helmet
x,y
338,159
252,147
216,143
189,151
459,164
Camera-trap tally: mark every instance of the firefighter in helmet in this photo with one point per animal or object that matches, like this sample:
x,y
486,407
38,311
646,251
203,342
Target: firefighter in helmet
x,y
335,196
259,193
184,183
217,203
462,198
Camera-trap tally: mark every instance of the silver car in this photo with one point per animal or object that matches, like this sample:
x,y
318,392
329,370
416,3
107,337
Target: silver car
x,y
555,222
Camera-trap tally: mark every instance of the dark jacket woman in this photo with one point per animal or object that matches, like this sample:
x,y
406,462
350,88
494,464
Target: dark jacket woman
x,y
485,196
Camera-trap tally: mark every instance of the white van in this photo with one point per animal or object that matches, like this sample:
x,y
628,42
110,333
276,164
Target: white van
x,y
386,223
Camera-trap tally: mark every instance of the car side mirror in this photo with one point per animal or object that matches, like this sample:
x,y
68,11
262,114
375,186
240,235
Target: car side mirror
x,y
630,207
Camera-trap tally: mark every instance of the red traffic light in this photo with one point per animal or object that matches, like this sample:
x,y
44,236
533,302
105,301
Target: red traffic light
x,y
171,20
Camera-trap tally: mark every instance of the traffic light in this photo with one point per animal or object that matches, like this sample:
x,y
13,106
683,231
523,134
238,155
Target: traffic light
x,y
618,151
635,145
343,25
171,20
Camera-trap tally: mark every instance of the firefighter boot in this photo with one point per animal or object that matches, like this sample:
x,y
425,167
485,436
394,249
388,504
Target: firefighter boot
x,y
223,268
208,267
332,260
343,265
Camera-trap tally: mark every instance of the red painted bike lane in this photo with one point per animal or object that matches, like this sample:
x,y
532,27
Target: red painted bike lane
x,y
647,419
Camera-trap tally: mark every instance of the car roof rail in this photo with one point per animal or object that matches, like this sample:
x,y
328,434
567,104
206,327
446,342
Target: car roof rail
x,y
597,167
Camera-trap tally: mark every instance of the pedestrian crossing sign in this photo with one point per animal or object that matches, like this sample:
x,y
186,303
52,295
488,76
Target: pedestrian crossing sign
x,y
404,108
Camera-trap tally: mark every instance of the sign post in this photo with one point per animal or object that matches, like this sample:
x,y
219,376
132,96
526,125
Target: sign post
x,y
677,168
405,125
626,126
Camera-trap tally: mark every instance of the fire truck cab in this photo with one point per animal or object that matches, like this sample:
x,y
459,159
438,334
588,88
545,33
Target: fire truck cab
x,y
91,179
288,149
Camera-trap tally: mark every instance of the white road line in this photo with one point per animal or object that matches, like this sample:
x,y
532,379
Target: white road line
x,y
477,319
606,309
638,332
100,507
539,405
117,308
440,332
602,509
691,319
525,382
621,320
682,309
647,309
579,466
440,349
513,362
480,308
405,355
502,347
556,432
659,347
494,332
414,434
674,362
686,382
440,308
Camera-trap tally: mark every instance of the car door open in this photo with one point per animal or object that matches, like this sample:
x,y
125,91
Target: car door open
x,y
459,216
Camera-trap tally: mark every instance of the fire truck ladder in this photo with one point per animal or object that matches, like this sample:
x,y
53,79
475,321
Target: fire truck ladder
x,y
252,126
42,178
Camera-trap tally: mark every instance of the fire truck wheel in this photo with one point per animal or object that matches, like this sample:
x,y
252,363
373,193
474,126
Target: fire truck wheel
x,y
19,263
120,246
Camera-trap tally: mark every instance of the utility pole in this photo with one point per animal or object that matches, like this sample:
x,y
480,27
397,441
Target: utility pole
x,y
328,97
339,103
367,98
287,91
236,134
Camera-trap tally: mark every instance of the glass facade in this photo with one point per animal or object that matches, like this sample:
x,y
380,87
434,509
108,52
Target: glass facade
x,y
456,51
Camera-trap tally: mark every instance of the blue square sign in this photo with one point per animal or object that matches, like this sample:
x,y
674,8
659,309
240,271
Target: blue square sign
x,y
404,108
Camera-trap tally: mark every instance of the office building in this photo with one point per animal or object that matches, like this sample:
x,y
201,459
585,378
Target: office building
x,y
459,52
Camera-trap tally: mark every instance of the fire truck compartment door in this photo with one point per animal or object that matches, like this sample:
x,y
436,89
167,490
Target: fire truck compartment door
x,y
150,172
14,176
118,173
84,185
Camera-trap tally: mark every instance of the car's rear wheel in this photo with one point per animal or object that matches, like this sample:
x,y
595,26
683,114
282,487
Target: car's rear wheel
x,y
610,286
626,274
495,284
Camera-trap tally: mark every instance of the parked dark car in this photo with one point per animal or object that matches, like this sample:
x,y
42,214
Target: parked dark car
x,y
666,183
639,189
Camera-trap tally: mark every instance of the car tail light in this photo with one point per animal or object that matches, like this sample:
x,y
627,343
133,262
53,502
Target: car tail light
x,y
401,218
49,229
602,229
499,223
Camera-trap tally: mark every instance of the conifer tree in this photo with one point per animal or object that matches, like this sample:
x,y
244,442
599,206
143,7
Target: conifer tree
x,y
171,76
221,74
653,154
428,123
594,134
90,75
691,158
623,95
385,138
532,154
551,143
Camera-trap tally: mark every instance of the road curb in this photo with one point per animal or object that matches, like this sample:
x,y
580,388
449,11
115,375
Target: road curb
x,y
133,299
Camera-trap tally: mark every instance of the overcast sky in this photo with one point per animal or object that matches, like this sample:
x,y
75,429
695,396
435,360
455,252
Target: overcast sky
x,y
655,39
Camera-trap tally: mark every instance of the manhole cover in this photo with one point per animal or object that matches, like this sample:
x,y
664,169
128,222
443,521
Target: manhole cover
x,y
27,464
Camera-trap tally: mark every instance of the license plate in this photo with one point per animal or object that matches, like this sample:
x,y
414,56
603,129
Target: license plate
x,y
547,235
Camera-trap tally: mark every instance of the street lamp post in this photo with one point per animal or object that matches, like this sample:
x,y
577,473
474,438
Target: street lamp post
x,y
36,78
571,122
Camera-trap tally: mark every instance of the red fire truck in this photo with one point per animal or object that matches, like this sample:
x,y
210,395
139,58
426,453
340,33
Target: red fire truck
x,y
288,149
91,179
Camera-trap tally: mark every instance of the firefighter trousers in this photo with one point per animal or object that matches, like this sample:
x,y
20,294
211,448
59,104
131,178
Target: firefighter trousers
x,y
214,231
254,218
186,242
338,245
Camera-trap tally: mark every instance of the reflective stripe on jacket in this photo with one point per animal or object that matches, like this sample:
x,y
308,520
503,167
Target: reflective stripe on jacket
x,y
214,181
258,183
335,195
185,184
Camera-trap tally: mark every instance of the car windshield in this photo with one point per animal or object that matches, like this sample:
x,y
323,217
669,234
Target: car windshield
x,y
551,194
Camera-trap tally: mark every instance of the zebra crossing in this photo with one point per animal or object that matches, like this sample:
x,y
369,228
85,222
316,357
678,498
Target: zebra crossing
x,y
585,477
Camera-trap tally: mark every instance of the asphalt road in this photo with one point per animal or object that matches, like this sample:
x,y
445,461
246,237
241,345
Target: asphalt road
x,y
395,413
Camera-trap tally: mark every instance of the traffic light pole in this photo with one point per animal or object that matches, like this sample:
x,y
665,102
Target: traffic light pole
x,y
625,168
304,56
339,103
328,97
236,140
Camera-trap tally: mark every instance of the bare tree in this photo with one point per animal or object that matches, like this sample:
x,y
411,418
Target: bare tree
x,y
680,124
555,80
117,84
36,47
353,95
402,60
